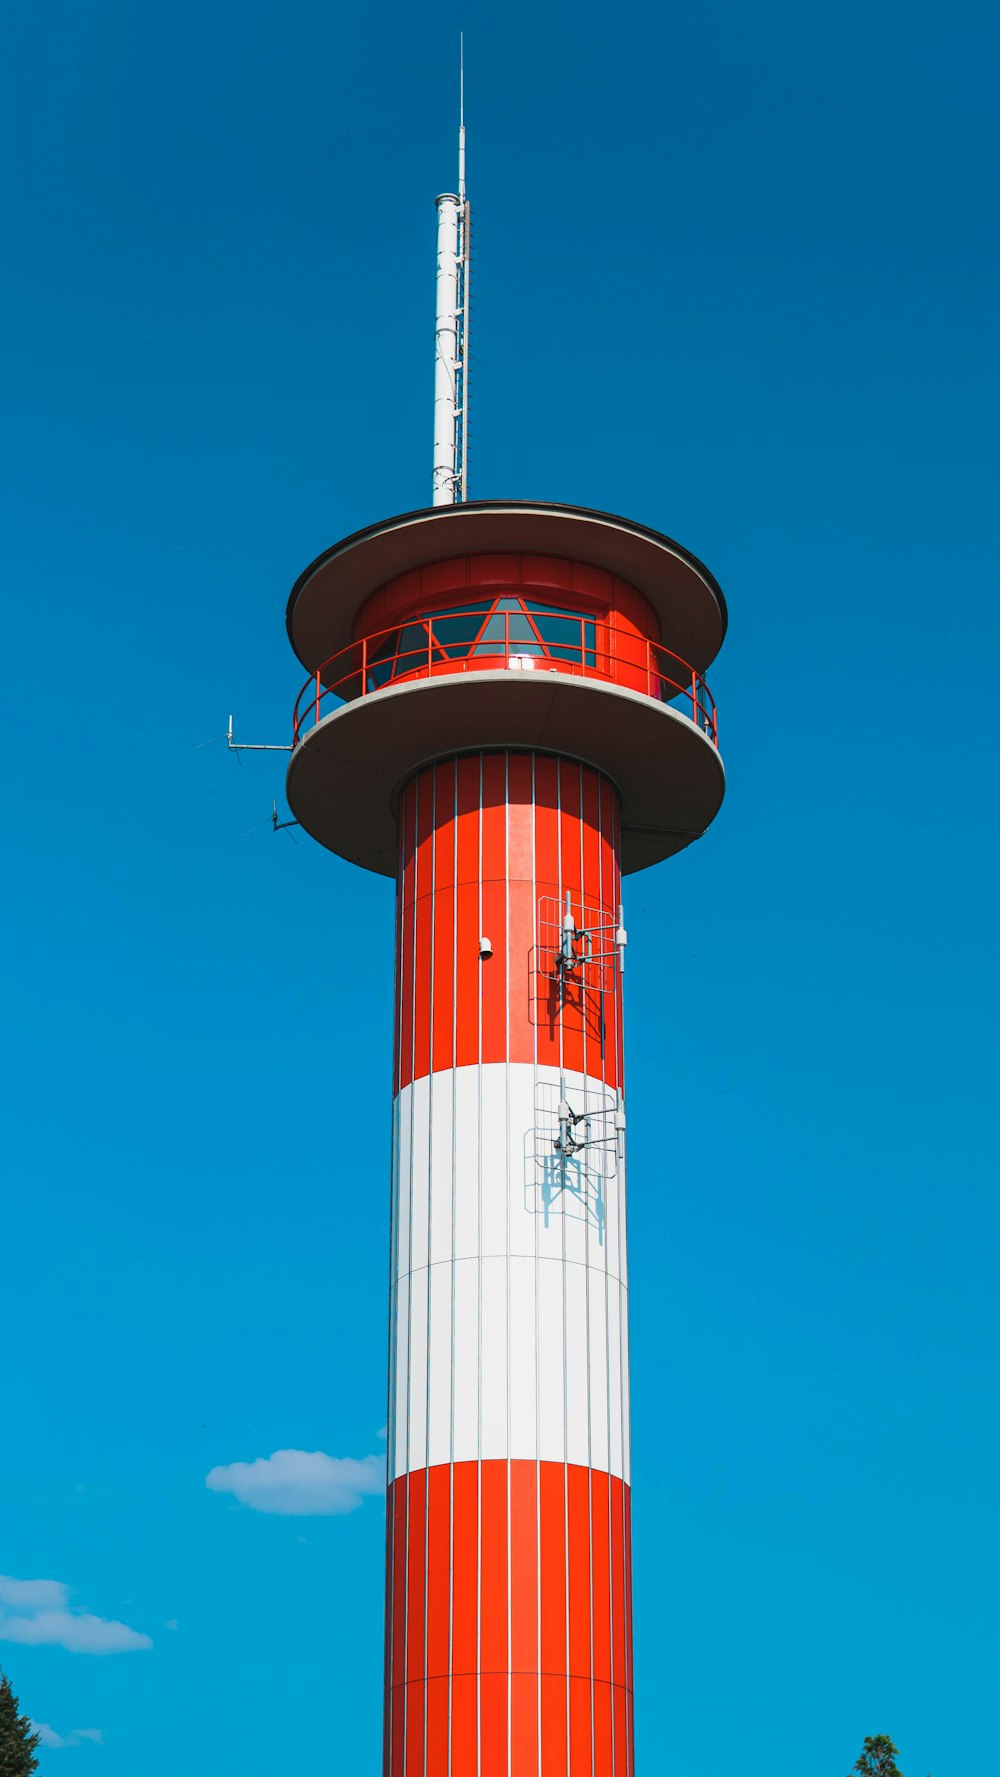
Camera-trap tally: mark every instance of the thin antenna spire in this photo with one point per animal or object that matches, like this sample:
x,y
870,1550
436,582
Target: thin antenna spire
x,y
451,333
461,117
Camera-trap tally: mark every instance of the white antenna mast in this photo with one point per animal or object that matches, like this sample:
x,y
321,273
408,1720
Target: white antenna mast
x,y
451,332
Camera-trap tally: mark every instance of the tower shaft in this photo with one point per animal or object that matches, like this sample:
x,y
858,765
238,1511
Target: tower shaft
x,y
508,1624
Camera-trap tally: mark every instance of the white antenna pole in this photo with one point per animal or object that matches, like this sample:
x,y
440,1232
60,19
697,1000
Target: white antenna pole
x,y
449,484
446,352
462,435
461,117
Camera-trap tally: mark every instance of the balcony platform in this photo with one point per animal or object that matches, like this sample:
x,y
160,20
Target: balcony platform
x,y
345,772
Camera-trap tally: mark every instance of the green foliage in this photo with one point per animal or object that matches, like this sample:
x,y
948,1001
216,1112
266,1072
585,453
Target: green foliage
x,y
17,1742
878,1758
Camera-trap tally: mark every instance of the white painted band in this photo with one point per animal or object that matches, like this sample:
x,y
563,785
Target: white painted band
x,y
508,1321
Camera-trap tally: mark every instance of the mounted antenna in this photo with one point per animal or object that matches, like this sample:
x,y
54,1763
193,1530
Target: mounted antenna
x,y
451,332
250,746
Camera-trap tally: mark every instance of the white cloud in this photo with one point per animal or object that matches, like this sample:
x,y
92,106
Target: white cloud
x,y
301,1483
76,1736
38,1613
33,1594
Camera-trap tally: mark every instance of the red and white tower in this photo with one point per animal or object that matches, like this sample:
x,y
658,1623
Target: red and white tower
x,y
506,711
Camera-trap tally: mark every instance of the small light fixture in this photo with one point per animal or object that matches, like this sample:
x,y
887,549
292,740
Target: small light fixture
x,y
621,939
485,949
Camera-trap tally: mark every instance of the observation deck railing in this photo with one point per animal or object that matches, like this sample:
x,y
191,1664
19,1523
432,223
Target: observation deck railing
x,y
586,648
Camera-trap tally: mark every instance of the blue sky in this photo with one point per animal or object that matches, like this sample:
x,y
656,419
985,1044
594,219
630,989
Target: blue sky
x,y
735,276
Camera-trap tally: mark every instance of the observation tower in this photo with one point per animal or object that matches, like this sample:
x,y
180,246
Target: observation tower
x,y
506,712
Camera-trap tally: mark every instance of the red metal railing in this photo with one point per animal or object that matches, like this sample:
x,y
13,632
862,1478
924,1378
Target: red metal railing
x,y
586,648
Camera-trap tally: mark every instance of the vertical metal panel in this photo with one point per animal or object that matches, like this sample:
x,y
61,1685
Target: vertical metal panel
x,y
521,1082
620,1713
465,1570
419,1176
611,1233
618,1059
592,892
524,1566
578,1543
523,1347
601,1572
552,1509
624,1374
400,1424
387,1618
603,1734
398,1627
416,1595
416,1443
443,1034
438,1734
467,1163
493,1558
464,1723
493,1725
598,1393
405,973
465,1430
580,1727
423,974
440,1364
438,1570
440,1089
619,1731
398,1751
617,1452
494,1160
404,1123
572,1017
522,904
610,896
523,1725
627,1506
551,1419
576,1367
465,1619
468,929
494,906
553,1725
494,1439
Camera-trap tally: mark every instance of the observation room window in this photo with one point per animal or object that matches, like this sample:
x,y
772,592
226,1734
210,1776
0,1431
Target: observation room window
x,y
489,628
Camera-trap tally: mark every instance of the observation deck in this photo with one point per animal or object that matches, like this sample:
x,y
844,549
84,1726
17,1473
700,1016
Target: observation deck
x,y
502,625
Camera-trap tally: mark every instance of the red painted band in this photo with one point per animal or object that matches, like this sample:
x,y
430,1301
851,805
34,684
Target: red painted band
x,y
515,1632
489,845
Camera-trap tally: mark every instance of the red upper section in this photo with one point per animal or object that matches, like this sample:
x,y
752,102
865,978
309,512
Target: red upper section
x,y
564,616
489,844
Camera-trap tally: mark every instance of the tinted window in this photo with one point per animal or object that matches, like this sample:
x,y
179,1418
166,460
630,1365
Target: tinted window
x,y
484,629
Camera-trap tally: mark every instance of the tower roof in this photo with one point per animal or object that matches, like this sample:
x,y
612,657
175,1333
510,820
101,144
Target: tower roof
x,y
327,597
